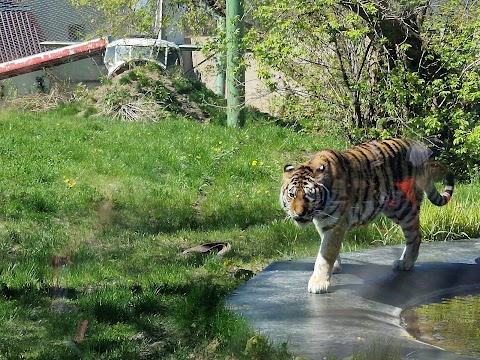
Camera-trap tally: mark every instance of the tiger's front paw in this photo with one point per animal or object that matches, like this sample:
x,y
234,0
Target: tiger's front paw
x,y
402,265
318,285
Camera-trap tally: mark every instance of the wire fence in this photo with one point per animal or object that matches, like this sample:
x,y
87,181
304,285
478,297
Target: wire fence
x,y
60,21
26,24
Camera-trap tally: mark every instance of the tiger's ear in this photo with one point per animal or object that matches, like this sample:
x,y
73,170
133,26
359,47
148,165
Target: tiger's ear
x,y
287,169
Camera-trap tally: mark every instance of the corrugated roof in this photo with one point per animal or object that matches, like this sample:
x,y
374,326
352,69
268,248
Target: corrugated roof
x,y
20,34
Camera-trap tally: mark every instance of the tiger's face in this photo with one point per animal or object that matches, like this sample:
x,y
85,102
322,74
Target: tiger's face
x,y
303,195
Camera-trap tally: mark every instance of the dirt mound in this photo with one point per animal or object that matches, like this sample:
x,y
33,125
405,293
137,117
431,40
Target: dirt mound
x,y
143,93
147,93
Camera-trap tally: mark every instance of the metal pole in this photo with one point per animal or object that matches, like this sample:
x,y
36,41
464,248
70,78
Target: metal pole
x,y
235,64
159,20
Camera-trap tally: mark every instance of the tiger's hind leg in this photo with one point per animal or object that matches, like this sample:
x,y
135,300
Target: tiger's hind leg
x,y
410,253
410,225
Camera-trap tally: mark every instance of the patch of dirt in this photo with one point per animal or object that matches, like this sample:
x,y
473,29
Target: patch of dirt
x,y
105,213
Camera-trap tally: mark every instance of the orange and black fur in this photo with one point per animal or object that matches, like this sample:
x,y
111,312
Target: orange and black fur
x,y
337,191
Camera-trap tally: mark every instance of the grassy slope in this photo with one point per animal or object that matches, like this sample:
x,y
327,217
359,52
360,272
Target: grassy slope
x,y
116,202
122,200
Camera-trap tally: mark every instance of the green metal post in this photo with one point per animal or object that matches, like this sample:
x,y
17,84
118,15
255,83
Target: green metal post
x,y
220,63
235,64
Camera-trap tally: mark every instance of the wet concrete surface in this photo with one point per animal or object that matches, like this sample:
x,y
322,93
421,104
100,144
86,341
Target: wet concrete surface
x,y
365,301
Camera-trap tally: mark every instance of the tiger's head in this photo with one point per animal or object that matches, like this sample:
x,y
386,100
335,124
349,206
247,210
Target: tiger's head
x,y
303,193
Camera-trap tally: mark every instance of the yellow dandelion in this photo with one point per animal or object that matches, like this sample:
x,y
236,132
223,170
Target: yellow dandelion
x,y
70,183
216,149
260,163
254,163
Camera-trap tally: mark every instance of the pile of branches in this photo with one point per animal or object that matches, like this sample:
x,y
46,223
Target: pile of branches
x,y
144,93
61,92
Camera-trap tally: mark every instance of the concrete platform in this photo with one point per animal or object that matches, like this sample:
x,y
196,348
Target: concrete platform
x,y
365,302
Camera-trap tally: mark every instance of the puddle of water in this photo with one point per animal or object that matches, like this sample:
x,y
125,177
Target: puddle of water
x,y
453,324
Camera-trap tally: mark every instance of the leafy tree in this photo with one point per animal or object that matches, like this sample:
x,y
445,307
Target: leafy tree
x,y
124,17
380,69
138,17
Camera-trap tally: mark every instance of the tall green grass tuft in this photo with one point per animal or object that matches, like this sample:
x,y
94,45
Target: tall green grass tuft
x,y
458,219
379,349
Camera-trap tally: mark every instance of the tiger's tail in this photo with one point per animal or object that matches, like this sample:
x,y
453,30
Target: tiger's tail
x,y
440,199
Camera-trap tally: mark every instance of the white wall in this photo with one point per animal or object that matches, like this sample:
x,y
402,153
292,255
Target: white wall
x,y
256,93
86,71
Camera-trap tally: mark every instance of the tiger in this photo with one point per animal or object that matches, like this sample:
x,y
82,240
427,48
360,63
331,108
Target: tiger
x,y
337,191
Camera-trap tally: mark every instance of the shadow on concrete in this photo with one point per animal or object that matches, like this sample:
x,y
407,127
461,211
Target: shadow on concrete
x,y
434,279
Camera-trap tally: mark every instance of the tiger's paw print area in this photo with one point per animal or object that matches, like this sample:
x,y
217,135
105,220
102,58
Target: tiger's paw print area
x,y
364,302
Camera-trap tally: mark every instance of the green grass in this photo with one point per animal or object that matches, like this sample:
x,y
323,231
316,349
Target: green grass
x,y
117,202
